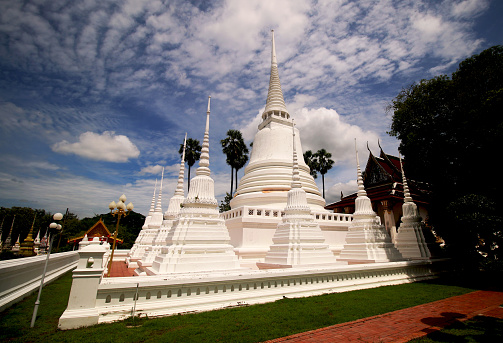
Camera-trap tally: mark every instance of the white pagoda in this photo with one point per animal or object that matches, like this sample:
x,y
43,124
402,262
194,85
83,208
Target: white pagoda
x,y
268,175
153,248
410,239
367,240
298,240
199,240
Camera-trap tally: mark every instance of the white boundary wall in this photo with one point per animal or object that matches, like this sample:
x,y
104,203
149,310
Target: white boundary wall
x,y
20,277
98,300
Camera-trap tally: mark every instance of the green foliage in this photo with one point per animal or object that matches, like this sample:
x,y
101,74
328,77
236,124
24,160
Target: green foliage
x,y
449,128
129,228
192,154
225,204
320,162
311,162
234,147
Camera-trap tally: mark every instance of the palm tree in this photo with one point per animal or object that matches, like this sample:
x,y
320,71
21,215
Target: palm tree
x,y
311,162
324,164
192,154
234,147
240,163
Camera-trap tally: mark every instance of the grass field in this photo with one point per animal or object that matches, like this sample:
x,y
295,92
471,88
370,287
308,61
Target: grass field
x,y
245,324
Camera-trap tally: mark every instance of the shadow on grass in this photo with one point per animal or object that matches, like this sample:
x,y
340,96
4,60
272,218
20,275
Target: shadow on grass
x,y
487,281
477,329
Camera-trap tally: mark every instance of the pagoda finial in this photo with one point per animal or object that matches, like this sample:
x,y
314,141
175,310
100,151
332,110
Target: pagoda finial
x,y
273,51
204,160
152,204
181,173
406,192
275,104
158,208
361,187
295,174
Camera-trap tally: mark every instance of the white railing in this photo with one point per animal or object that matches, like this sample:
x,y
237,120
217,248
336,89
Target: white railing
x,y
265,212
95,300
20,277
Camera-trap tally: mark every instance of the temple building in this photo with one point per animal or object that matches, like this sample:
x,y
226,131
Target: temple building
x,y
383,182
99,229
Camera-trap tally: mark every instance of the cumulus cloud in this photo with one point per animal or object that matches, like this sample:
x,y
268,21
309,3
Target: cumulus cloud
x,y
325,128
101,147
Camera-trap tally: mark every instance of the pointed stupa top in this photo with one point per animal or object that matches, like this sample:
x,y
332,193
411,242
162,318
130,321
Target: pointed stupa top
x,y
181,173
152,204
406,192
202,188
37,239
295,174
275,102
158,207
359,178
204,160
177,198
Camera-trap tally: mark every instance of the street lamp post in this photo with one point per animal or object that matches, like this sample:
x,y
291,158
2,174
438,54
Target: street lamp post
x,y
55,227
119,210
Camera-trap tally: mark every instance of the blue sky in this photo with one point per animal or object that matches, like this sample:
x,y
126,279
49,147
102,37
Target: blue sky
x,y
96,96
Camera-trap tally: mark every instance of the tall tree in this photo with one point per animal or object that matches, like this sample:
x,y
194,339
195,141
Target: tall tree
x,y
192,154
448,128
234,147
311,162
324,164
239,163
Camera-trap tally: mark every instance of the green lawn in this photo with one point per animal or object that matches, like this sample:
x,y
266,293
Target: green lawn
x,y
246,324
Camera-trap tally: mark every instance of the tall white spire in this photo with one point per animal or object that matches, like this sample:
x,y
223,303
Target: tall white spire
x,y
295,172
152,204
204,160
268,174
199,239
359,178
158,207
406,192
275,102
181,173
177,198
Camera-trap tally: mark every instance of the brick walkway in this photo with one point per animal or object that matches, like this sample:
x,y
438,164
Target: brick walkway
x,y
407,324
120,269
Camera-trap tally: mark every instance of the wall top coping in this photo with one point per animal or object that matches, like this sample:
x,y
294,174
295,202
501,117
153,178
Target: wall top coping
x,y
33,259
239,276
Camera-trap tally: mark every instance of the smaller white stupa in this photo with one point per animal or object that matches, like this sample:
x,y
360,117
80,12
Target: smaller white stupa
x,y
138,249
298,240
152,251
367,240
199,240
410,239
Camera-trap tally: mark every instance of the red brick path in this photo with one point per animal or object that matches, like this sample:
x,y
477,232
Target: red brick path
x,y
120,269
407,324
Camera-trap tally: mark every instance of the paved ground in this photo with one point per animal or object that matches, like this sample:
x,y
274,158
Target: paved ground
x,y
407,324
398,326
120,269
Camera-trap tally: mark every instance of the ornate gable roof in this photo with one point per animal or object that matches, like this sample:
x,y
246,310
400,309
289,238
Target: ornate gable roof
x,y
99,229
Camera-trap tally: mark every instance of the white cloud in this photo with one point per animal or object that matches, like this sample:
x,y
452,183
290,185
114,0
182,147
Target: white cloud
x,y
105,147
325,128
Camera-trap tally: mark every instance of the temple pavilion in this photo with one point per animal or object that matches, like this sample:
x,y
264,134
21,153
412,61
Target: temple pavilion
x,y
383,182
99,229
